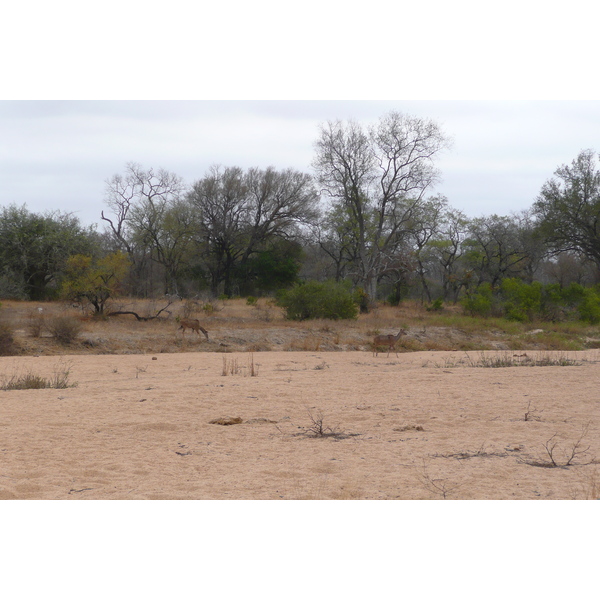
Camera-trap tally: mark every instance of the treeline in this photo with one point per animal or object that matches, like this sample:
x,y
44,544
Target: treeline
x,y
365,216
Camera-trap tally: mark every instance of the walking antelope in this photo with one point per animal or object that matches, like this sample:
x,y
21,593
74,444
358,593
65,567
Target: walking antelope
x,y
387,340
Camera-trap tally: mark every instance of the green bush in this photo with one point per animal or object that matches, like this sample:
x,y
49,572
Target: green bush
x,y
315,300
519,301
522,301
589,307
479,303
436,306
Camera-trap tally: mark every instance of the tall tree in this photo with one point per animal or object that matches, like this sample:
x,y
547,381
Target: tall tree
x,y
568,207
148,221
243,213
496,248
376,178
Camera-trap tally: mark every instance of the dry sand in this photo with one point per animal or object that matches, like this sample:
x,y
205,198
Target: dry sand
x,y
422,425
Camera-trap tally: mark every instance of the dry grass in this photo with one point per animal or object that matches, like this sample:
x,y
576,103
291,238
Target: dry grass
x,y
235,325
32,381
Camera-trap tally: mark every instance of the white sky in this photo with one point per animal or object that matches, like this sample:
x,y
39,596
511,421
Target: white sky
x,y
513,86
58,154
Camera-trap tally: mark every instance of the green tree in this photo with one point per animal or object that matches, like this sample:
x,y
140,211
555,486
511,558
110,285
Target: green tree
x,y
495,249
94,280
568,208
240,214
36,247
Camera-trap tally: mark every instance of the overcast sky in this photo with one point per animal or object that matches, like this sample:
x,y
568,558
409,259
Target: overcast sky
x,y
84,91
59,154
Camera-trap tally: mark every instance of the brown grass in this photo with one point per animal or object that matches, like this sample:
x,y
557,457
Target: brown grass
x,y
235,325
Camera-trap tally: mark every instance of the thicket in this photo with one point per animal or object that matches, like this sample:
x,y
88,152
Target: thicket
x,y
525,302
318,300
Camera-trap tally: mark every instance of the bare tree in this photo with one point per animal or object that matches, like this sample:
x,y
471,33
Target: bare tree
x,y
376,179
148,220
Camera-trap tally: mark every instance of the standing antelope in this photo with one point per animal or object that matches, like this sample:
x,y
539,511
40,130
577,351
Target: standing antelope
x,y
192,324
387,340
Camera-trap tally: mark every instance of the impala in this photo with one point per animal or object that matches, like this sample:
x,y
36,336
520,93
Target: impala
x,y
387,340
192,324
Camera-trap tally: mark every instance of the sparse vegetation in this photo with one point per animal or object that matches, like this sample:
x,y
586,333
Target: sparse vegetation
x,y
7,340
509,359
236,326
318,428
32,381
440,486
569,452
231,367
64,328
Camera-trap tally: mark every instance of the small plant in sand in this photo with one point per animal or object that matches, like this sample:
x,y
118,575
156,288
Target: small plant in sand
x,y
319,429
531,413
231,367
440,486
574,450
32,381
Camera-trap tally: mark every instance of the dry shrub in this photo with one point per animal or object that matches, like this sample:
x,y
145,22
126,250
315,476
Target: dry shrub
x,y
31,381
36,323
307,344
64,328
7,341
231,367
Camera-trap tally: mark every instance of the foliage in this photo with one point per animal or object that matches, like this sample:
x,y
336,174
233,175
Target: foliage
x,y
241,215
568,207
436,306
519,301
35,249
316,300
268,270
94,280
480,301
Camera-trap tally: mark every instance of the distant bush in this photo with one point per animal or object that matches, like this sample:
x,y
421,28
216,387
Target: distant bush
x,y
521,301
589,307
478,303
525,302
7,341
64,329
436,306
316,300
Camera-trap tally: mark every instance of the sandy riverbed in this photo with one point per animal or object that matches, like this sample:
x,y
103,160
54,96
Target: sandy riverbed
x,y
422,425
